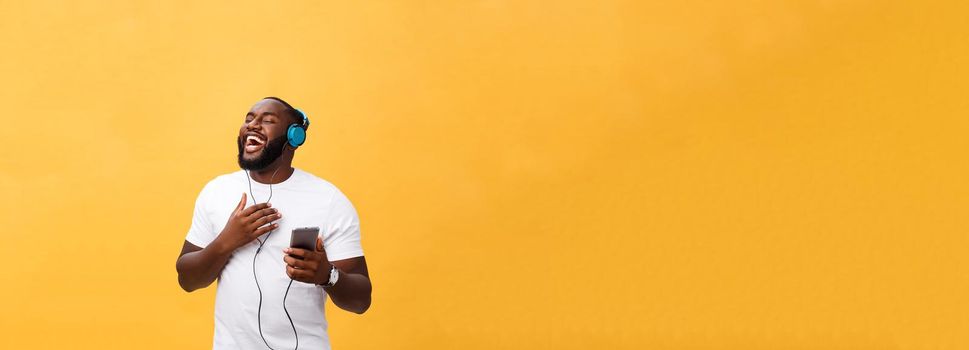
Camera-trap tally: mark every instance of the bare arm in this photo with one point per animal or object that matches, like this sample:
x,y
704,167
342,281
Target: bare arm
x,y
352,290
199,267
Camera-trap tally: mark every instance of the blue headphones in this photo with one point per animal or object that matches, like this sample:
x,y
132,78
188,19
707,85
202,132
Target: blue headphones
x,y
296,134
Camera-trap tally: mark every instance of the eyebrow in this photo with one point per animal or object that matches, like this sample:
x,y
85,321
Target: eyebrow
x,y
263,113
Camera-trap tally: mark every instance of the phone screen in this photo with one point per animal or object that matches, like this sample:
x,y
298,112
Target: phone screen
x,y
304,238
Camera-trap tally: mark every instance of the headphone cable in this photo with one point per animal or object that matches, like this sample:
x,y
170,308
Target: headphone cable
x,y
256,279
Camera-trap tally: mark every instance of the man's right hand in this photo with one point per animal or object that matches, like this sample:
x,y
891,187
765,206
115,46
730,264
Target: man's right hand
x,y
246,224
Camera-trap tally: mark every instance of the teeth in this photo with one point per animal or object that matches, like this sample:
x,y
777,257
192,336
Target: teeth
x,y
253,138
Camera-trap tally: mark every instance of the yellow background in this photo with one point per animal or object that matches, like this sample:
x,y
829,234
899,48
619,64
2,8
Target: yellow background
x,y
529,175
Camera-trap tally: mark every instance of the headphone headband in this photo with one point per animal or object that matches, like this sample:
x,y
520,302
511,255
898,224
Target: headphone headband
x,y
306,120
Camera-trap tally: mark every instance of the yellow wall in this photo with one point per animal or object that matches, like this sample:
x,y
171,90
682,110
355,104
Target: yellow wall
x,y
530,175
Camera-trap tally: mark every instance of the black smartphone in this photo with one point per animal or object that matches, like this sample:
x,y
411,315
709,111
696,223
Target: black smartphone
x,y
304,238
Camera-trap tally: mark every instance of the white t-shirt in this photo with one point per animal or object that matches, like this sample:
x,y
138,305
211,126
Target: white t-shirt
x,y
303,200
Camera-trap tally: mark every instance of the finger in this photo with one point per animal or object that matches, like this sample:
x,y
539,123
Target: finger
x,y
294,262
253,208
299,275
310,255
265,219
242,203
262,230
320,250
308,265
260,214
297,252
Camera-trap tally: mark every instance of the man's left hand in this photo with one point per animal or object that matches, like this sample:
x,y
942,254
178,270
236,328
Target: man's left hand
x,y
314,266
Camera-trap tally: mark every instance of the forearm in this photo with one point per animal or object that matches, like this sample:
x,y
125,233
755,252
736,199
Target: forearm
x,y
200,268
351,292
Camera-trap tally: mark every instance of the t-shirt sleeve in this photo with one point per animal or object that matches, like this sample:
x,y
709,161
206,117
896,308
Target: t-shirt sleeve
x,y
341,239
201,233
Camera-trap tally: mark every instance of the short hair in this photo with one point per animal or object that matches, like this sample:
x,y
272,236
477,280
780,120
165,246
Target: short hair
x,y
295,114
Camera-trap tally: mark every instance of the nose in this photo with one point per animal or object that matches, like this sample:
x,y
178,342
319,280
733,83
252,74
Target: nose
x,y
254,124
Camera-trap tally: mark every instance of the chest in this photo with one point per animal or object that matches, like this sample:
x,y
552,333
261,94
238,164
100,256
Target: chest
x,y
298,209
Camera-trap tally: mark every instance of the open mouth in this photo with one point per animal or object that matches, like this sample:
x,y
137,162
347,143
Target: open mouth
x,y
254,143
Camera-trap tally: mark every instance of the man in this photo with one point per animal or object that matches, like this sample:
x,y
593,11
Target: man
x,y
245,243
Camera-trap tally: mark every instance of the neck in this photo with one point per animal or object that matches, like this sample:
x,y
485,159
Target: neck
x,y
277,171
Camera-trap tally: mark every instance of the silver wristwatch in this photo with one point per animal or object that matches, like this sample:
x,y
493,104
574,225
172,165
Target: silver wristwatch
x,y
334,276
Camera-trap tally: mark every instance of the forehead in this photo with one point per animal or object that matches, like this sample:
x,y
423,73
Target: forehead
x,y
267,105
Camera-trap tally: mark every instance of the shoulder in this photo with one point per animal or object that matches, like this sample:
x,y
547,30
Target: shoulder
x,y
313,182
324,188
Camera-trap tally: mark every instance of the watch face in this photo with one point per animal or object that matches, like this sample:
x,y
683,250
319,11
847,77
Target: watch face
x,y
334,275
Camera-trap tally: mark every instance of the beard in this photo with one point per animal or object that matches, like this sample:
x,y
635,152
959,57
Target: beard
x,y
269,153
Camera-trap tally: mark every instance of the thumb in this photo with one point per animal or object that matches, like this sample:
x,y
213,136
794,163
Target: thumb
x,y
319,244
242,202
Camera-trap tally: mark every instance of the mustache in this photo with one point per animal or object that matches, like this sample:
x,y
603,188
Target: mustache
x,y
269,153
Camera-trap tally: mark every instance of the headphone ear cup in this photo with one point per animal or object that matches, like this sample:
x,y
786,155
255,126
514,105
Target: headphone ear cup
x,y
295,135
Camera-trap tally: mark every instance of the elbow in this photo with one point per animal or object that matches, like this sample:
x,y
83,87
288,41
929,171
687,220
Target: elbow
x,y
361,304
355,306
364,304
183,280
361,307
187,287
